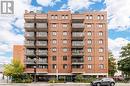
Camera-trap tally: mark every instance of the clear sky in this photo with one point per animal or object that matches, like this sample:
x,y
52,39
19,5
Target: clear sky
x,y
12,31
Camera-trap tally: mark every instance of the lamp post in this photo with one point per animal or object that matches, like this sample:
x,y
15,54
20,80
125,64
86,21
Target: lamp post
x,y
35,62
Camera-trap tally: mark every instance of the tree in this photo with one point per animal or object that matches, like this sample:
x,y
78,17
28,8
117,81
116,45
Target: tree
x,y
111,65
14,69
124,63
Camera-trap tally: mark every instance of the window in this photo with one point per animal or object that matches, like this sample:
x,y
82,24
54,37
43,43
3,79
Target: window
x,y
54,49
89,25
100,33
100,50
54,33
64,41
54,41
89,33
66,17
100,25
64,66
53,66
101,66
64,49
100,41
64,58
90,17
53,25
102,17
101,58
89,66
89,49
53,58
89,41
87,17
64,33
64,25
98,17
89,58
54,17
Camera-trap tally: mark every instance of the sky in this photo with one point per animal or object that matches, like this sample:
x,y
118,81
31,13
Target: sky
x,y
12,31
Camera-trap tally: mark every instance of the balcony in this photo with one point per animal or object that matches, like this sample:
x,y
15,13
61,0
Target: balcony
x,y
41,44
77,61
42,17
41,52
42,61
41,35
29,35
29,53
77,26
78,70
29,44
29,61
77,52
77,44
38,70
29,26
29,16
77,35
41,26
76,18
29,70
42,70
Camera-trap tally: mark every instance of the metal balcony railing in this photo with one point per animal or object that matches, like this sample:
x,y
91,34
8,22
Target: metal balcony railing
x,y
41,43
41,25
29,16
30,52
77,43
77,34
29,61
29,34
77,25
29,43
41,52
42,61
41,34
77,60
29,25
77,52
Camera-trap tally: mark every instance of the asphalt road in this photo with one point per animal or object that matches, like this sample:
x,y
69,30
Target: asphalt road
x,y
57,84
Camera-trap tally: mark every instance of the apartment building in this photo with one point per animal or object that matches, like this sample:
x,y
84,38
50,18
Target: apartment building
x,y
66,44
18,53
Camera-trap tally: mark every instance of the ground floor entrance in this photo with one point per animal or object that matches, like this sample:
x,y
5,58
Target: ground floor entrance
x,y
65,78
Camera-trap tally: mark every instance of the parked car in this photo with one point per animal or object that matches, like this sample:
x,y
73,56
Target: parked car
x,y
103,81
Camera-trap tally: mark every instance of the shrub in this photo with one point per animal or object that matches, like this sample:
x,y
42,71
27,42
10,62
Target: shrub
x,y
53,80
79,78
23,78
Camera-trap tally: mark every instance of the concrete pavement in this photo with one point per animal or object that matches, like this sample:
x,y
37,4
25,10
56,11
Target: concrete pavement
x,y
55,84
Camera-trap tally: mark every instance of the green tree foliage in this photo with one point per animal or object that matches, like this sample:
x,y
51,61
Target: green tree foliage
x,y
15,70
111,65
124,63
